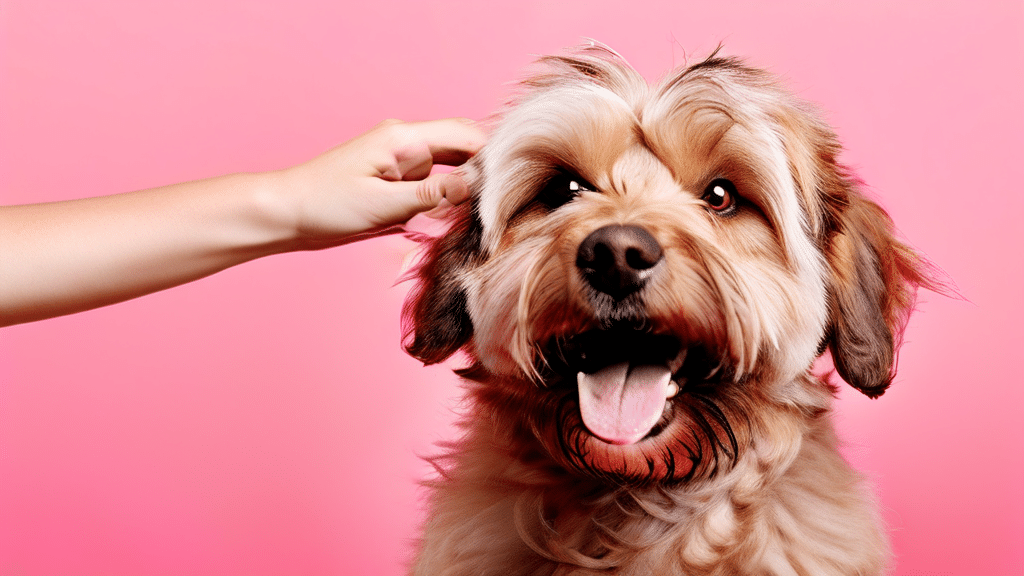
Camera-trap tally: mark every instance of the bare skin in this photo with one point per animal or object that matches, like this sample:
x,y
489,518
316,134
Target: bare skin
x,y
64,257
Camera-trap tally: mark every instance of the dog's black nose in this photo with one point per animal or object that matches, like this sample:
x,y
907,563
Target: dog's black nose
x,y
617,260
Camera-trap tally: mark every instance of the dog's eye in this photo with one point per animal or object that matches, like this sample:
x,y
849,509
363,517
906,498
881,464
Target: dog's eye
x,y
561,189
720,195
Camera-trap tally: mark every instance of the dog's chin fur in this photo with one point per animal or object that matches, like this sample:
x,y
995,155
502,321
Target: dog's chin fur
x,y
740,473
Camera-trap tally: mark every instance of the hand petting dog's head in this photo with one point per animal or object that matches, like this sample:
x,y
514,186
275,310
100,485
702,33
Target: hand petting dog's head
x,y
646,273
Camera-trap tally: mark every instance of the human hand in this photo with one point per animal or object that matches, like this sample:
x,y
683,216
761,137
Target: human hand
x,y
378,180
65,257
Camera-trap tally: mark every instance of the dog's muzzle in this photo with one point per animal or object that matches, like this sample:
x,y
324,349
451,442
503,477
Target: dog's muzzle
x,y
622,391
618,260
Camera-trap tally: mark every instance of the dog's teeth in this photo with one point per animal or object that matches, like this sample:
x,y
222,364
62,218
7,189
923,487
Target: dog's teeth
x,y
673,389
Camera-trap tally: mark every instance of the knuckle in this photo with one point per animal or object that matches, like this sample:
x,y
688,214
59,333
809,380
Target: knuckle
x,y
399,133
429,192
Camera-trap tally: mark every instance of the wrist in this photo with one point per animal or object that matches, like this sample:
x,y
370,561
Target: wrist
x,y
273,212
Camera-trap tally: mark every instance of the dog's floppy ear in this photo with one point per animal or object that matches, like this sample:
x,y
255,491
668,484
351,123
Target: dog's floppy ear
x,y
435,319
873,277
873,282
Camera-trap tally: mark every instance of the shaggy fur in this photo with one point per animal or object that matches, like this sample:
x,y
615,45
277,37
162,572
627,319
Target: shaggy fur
x,y
744,253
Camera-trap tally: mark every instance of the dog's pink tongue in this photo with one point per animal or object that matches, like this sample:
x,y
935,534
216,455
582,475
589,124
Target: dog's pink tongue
x,y
621,403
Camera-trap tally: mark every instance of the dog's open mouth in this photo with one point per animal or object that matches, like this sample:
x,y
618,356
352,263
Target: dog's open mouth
x,y
625,378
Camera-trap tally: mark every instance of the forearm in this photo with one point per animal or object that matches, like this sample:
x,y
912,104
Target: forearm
x,y
65,257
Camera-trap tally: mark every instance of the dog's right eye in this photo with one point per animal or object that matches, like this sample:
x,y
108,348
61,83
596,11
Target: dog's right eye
x,y
561,189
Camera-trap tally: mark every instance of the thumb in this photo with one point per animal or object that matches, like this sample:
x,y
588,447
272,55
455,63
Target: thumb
x,y
413,197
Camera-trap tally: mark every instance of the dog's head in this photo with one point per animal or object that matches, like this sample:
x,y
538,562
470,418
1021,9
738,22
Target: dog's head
x,y
645,274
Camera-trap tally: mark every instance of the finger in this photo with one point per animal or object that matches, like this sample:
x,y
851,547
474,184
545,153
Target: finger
x,y
406,198
451,141
456,191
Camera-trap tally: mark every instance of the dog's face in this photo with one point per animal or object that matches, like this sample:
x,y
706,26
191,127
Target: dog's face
x,y
646,273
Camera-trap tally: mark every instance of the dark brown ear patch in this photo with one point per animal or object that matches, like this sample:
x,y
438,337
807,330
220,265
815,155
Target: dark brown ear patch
x,y
874,280
861,340
435,319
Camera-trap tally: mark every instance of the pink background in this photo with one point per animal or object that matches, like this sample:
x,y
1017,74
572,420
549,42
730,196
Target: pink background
x,y
265,420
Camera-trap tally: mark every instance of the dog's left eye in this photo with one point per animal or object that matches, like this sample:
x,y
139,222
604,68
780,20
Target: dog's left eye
x,y
562,188
720,195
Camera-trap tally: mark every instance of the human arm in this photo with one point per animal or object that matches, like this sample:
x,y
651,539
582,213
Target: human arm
x,y
64,257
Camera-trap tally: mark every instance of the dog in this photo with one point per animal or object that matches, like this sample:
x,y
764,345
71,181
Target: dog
x,y
641,282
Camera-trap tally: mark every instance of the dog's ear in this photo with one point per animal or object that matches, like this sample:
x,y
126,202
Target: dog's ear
x,y
873,277
872,286
435,318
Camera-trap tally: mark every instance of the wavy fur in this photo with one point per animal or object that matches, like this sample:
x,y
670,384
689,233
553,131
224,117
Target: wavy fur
x,y
741,475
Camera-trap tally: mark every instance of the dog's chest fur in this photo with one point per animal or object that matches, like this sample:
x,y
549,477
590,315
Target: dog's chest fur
x,y
497,510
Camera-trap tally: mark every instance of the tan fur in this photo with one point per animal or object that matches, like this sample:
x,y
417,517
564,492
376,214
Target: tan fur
x,y
795,508
742,474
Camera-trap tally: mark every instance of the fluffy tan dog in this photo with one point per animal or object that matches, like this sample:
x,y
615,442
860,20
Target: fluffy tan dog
x,y
641,282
